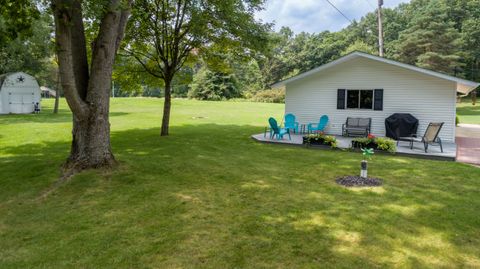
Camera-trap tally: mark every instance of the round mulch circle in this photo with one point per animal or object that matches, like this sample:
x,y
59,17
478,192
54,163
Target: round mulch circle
x,y
357,181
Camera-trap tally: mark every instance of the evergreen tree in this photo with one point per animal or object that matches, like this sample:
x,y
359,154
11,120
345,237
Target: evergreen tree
x,y
430,41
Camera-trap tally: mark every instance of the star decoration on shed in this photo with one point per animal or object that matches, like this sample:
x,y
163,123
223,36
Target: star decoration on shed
x,y
21,79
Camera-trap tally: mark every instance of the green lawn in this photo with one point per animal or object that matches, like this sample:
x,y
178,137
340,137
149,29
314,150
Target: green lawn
x,y
210,197
468,113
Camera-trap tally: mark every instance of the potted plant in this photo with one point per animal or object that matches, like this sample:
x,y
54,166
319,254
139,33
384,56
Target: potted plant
x,y
376,143
320,139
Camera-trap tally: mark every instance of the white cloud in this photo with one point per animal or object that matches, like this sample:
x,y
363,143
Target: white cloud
x,y
317,15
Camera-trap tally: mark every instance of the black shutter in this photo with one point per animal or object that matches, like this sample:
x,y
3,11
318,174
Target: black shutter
x,y
378,99
341,99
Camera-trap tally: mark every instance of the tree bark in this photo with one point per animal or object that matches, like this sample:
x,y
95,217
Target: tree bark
x,y
91,142
166,107
88,91
474,97
57,94
57,100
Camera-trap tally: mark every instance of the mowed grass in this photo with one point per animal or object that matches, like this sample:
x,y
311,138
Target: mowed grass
x,y
208,196
468,113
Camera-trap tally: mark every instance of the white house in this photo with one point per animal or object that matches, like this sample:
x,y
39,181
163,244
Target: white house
x,y
364,85
19,92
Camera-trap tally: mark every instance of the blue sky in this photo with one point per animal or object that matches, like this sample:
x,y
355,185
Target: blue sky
x,y
317,15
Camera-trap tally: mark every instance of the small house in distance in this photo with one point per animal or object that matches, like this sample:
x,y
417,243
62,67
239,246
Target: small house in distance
x,y
368,86
19,93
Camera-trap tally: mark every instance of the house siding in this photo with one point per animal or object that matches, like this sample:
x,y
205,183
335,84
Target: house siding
x,y
427,98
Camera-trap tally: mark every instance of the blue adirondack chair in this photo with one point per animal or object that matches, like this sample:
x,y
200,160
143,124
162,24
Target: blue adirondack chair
x,y
318,127
276,131
290,123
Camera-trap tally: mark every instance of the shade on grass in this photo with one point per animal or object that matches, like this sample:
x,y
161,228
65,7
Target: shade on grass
x,y
210,197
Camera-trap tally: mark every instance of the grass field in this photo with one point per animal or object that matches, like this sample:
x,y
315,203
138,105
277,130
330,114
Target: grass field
x,y
210,197
468,113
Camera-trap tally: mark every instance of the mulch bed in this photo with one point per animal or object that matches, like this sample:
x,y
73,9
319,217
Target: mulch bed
x,y
357,181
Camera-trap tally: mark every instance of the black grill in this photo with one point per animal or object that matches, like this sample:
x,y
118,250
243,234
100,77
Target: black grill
x,y
400,125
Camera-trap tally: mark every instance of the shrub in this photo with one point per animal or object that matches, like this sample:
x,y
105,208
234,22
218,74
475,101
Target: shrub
x,y
382,143
362,142
387,144
270,96
457,120
321,138
331,140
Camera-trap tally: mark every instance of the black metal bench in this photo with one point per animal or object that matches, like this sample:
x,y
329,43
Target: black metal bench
x,y
356,127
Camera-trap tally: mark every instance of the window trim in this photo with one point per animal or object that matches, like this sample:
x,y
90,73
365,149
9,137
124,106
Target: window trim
x,y
359,100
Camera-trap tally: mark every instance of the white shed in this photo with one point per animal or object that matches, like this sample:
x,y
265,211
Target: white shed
x,y
19,92
379,87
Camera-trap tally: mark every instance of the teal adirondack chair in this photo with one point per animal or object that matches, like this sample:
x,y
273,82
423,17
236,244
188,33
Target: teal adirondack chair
x,y
290,123
318,127
276,131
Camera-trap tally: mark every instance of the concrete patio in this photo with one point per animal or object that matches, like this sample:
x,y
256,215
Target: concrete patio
x,y
468,141
449,149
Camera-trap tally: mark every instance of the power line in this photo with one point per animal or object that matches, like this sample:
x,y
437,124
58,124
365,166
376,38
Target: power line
x,y
339,11
370,4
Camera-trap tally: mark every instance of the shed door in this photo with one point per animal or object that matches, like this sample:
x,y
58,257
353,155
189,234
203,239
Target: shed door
x,y
20,102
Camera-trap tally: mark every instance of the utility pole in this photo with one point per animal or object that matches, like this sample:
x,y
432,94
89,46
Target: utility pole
x,y
113,89
380,28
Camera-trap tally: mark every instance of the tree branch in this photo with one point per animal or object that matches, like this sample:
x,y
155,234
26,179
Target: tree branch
x,y
122,24
63,39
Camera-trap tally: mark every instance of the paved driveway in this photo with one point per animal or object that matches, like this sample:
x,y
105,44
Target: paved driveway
x,y
468,143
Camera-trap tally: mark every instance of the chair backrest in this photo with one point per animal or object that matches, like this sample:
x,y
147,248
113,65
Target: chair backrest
x,y
274,125
432,131
359,122
364,122
323,122
352,121
289,121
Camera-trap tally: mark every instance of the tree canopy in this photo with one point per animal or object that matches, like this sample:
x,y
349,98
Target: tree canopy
x,y
164,35
223,37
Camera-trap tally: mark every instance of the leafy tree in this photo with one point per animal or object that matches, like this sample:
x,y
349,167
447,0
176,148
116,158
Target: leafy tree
x,y
213,86
274,66
16,18
28,50
87,86
164,33
249,76
359,46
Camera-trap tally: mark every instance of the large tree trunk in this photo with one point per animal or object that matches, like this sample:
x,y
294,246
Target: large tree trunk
x,y
57,94
91,141
88,92
474,97
166,107
57,101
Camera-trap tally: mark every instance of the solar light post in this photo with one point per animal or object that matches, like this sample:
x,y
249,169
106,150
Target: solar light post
x,y
367,153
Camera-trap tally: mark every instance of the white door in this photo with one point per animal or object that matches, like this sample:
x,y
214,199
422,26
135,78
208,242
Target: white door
x,y
20,102
27,100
